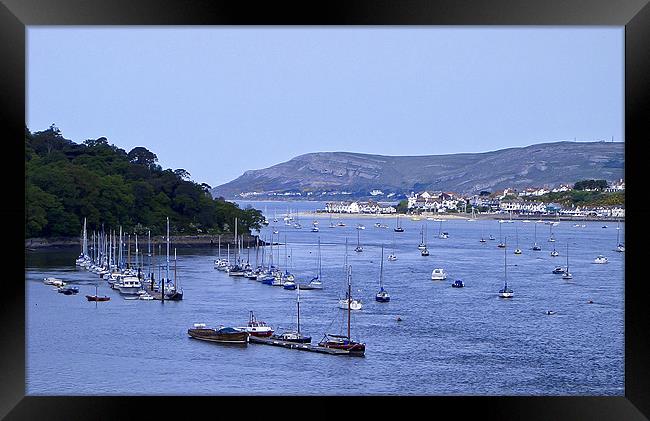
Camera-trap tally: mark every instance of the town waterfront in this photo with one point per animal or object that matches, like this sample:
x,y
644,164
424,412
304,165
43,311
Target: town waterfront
x,y
450,341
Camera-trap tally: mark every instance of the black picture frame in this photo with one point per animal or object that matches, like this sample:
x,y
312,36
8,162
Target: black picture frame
x,y
634,15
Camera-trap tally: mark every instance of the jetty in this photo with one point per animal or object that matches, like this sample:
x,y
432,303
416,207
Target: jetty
x,y
301,346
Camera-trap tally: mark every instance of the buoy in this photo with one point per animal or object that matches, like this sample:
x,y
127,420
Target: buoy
x,y
399,319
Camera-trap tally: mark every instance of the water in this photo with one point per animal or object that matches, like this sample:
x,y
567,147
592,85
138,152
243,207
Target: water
x,y
451,341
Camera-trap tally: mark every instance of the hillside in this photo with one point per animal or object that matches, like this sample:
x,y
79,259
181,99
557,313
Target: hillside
x,y
537,165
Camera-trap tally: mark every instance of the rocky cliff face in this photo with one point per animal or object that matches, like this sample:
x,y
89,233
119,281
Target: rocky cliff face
x,y
532,166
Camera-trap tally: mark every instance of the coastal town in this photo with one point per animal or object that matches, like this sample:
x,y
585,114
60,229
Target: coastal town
x,y
524,202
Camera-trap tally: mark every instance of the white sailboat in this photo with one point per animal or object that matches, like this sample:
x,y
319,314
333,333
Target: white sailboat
x,y
501,243
349,303
392,257
619,246
382,296
505,292
536,247
315,282
425,251
567,274
517,250
358,248
422,245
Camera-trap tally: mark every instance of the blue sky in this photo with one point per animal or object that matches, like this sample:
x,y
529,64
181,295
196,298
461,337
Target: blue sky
x,y
218,101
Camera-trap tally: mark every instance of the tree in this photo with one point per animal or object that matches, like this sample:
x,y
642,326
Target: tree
x,y
142,156
183,174
590,185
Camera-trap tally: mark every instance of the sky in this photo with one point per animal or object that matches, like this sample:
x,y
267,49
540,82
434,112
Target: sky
x,y
220,100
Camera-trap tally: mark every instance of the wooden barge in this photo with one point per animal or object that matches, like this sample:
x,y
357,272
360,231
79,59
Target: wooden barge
x,y
301,346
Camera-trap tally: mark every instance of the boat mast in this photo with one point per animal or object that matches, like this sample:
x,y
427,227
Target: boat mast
x,y
349,298
381,269
298,300
167,272
175,286
121,246
505,264
236,242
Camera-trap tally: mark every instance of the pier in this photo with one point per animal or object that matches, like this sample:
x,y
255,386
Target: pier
x,y
300,346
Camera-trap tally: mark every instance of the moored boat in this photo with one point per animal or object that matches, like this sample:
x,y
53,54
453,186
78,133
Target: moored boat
x,y
256,327
225,335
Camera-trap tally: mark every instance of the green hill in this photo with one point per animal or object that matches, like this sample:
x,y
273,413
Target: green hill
x,y
66,181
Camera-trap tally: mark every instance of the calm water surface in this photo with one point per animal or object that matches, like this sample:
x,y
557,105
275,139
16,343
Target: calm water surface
x,y
451,341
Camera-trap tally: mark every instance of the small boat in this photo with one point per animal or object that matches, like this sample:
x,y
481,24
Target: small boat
x,y
68,290
550,313
146,296
314,229
555,253
294,336
438,274
620,247
601,259
558,270
567,275
361,227
491,237
501,244
536,247
340,224
458,284
358,248
352,304
256,327
398,228
97,298
54,281
425,252
505,292
382,296
422,245
344,342
225,335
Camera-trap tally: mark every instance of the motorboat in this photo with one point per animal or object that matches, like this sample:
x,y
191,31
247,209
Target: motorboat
x,y
256,327
601,259
438,274
458,284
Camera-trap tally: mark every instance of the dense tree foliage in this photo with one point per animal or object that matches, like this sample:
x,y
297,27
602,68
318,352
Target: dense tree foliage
x,y
590,185
66,181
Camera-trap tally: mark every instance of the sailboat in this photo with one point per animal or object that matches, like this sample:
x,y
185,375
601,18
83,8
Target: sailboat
x,y
551,237
382,296
358,248
294,336
425,251
344,342
505,292
567,274
97,297
348,302
442,234
501,244
619,246
392,257
315,282
517,250
174,293
398,228
535,246
332,225
422,246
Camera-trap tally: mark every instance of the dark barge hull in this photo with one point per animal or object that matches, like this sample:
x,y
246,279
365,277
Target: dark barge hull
x,y
304,347
210,335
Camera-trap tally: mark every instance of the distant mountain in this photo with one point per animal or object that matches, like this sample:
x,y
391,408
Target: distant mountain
x,y
340,175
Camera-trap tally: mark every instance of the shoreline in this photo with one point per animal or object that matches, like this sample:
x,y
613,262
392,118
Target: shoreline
x,y
458,216
184,241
